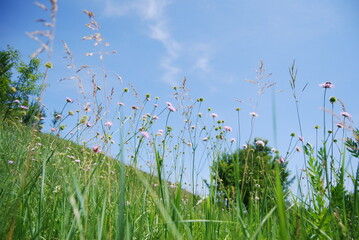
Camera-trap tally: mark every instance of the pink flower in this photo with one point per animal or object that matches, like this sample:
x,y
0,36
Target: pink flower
x,y
96,149
24,107
244,146
273,150
155,105
121,103
77,161
214,115
155,117
170,107
205,139
281,160
108,124
88,124
135,107
16,101
260,143
10,162
42,118
326,85
53,129
301,138
87,107
58,116
227,128
339,125
69,100
297,148
145,134
253,114
345,114
233,140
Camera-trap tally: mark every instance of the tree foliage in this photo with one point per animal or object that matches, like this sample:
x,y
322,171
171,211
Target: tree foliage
x,y
249,173
19,86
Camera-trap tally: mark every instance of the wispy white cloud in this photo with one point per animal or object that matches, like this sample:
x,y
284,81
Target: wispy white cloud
x,y
202,64
153,12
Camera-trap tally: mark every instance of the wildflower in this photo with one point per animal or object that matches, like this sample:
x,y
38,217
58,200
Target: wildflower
x,y
121,103
281,160
88,124
326,85
16,101
10,162
108,124
96,149
87,107
71,133
155,117
53,129
301,138
339,125
77,161
42,118
345,114
69,100
273,150
170,107
233,140
205,139
24,107
244,146
260,143
227,128
135,107
214,115
145,134
253,114
199,114
58,116
155,105
297,148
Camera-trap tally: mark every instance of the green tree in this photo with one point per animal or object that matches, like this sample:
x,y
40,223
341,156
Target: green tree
x,y
249,174
18,84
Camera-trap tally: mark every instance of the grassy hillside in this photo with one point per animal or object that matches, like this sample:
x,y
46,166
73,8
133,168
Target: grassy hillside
x,y
62,190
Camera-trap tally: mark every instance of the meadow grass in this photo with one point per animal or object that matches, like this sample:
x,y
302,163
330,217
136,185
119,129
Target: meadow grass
x,y
82,180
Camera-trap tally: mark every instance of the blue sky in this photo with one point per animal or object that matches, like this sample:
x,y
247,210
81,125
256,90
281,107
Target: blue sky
x,y
217,45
